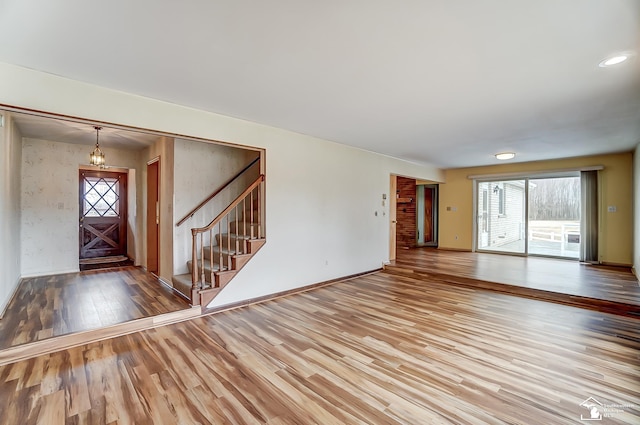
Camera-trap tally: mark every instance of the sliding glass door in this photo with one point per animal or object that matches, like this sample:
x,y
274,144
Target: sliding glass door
x,y
554,217
501,216
530,216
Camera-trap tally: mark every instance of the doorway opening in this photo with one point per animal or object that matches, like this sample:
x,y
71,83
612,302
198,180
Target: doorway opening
x,y
427,209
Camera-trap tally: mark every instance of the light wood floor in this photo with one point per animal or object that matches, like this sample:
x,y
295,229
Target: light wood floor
x,y
378,349
50,306
615,284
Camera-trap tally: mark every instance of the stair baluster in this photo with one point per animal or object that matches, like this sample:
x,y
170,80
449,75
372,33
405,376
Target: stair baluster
x,y
202,279
213,279
221,262
251,212
244,218
229,260
195,299
236,230
259,212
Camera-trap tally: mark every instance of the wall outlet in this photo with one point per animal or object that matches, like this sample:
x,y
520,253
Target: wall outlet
x,y
611,208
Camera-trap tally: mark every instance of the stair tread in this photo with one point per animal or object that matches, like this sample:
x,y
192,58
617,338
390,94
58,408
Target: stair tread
x,y
207,266
225,251
235,236
185,279
216,248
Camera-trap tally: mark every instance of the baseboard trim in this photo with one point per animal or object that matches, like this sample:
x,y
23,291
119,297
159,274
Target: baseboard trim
x,y
607,263
269,297
444,248
634,271
64,342
53,273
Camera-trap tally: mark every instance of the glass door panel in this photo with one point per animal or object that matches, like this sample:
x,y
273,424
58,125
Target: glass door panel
x,y
501,214
554,217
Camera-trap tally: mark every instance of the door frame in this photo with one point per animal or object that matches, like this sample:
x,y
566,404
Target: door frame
x,y
420,213
393,187
123,193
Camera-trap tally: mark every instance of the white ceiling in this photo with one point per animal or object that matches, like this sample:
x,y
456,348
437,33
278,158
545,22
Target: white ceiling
x,y
448,82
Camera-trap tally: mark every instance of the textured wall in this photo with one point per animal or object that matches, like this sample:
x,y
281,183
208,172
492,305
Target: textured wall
x,y
50,210
10,164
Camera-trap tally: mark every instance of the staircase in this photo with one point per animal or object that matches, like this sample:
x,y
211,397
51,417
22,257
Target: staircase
x,y
223,247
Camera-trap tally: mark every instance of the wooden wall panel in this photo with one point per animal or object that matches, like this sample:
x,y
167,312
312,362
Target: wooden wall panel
x,y
406,231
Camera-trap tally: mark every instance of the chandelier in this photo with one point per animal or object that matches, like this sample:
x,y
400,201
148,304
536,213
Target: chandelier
x,y
97,156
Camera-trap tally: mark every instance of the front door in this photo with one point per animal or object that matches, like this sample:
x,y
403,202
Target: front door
x,y
103,214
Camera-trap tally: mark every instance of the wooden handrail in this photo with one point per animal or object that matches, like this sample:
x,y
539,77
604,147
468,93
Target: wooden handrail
x,y
231,206
215,193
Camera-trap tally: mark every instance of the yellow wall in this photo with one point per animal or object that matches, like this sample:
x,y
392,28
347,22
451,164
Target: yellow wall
x,y
616,189
636,211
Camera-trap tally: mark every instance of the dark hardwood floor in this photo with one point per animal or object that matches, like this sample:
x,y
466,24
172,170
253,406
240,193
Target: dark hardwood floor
x,y
378,349
610,289
50,306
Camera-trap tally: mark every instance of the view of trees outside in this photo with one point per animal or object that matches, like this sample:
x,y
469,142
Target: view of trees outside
x,y
554,216
555,199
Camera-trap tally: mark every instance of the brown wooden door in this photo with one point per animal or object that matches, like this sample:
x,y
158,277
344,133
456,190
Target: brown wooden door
x,y
428,215
103,214
393,187
153,216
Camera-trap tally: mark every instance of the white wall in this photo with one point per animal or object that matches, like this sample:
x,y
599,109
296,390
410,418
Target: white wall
x,y
200,169
636,212
321,197
10,164
50,203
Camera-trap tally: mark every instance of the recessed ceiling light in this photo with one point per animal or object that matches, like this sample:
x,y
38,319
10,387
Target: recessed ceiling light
x,y
614,60
505,155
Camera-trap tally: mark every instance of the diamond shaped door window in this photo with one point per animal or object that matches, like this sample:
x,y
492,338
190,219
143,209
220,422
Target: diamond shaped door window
x,y
101,197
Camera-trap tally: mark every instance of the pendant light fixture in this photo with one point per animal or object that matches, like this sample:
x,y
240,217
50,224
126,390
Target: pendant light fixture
x,y
97,156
